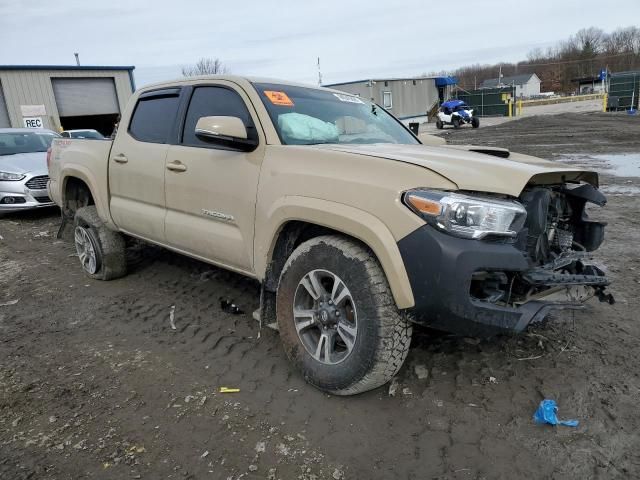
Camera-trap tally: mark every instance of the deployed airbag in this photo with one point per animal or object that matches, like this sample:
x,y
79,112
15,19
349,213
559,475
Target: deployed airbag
x,y
304,128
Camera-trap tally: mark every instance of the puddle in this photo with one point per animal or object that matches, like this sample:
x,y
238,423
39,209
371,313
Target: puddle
x,y
626,190
624,165
621,165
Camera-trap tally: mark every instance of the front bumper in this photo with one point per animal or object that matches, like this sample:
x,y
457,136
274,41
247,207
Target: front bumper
x,y
441,267
22,197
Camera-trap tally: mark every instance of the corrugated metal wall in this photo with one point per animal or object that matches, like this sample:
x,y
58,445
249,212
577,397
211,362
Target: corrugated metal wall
x,y
34,87
4,116
410,98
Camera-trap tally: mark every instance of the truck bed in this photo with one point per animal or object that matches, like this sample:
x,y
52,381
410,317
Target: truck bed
x,y
85,159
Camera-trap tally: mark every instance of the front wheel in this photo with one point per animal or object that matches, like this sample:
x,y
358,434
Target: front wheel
x,y
337,317
456,122
475,122
439,124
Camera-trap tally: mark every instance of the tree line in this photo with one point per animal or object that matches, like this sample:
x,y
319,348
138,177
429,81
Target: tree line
x,y
584,54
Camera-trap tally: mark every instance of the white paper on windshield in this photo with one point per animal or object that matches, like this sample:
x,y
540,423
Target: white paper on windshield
x,y
347,98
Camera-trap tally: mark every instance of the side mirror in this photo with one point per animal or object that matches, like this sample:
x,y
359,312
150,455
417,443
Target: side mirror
x,y
228,131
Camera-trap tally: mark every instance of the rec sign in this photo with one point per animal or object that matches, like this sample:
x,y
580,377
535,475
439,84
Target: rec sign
x,y
32,122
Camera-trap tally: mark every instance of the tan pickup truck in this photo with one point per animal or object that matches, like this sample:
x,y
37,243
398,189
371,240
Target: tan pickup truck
x,y
354,227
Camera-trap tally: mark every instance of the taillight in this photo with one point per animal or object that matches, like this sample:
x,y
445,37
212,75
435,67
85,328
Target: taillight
x,y
48,158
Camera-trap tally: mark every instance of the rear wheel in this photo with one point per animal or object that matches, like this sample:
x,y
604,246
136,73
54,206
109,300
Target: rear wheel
x,y
475,122
456,122
337,318
101,251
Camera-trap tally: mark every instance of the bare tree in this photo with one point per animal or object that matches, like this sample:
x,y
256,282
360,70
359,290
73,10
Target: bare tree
x,y
205,66
590,41
586,53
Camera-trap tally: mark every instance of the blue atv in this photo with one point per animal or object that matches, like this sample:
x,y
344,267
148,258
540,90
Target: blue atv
x,y
456,113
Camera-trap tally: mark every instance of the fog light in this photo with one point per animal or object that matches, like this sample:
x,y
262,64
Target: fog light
x,y
12,200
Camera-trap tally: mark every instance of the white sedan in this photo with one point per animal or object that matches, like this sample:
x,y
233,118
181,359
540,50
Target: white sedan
x,y
23,168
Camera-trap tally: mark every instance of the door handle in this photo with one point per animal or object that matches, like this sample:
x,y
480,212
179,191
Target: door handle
x,y
120,158
177,166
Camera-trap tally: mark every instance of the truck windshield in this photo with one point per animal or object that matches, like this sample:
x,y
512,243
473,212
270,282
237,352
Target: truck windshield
x,y
310,116
25,142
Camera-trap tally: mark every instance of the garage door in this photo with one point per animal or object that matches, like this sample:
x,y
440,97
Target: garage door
x,y
4,114
85,96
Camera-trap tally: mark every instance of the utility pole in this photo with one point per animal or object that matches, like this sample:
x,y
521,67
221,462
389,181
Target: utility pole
x,y
319,74
77,59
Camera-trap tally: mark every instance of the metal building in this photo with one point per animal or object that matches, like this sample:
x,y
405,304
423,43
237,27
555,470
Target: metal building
x,y
409,99
63,97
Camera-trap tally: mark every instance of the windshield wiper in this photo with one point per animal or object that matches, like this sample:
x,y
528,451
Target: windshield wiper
x,y
20,153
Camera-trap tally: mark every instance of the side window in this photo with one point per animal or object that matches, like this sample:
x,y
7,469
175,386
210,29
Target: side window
x,y
214,101
153,118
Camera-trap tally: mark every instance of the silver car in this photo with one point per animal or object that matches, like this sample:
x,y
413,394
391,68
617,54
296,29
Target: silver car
x,y
87,133
23,168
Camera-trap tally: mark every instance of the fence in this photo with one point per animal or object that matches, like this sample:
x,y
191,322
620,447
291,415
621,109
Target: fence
x,y
488,102
623,90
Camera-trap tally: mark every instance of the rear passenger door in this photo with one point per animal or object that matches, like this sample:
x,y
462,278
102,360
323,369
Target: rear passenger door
x,y
211,197
137,165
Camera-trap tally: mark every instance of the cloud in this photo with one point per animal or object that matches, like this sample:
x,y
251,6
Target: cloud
x,y
354,39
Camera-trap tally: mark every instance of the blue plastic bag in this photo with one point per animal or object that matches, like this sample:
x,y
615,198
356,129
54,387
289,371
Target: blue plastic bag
x,y
546,413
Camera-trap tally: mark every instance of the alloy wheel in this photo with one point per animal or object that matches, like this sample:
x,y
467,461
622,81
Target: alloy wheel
x,y
325,317
86,250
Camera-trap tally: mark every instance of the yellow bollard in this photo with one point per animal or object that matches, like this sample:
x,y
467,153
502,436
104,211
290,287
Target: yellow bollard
x,y
519,107
604,102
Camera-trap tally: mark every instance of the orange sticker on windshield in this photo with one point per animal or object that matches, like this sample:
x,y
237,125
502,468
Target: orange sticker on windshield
x,y
278,98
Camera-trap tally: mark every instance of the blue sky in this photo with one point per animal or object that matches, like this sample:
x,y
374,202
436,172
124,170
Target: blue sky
x,y
354,39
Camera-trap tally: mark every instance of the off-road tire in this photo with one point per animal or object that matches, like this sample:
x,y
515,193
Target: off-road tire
x,y
456,123
475,122
384,334
439,124
109,246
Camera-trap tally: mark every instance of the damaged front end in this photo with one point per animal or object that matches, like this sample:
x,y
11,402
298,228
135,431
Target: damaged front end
x,y
503,282
558,239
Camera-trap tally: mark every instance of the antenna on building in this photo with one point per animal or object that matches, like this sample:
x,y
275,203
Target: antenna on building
x,y
319,74
77,59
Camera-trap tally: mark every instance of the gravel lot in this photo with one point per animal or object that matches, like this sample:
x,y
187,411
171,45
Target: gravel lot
x,y
95,383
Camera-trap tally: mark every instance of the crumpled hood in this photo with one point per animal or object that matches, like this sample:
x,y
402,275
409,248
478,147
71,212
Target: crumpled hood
x,y
35,163
475,171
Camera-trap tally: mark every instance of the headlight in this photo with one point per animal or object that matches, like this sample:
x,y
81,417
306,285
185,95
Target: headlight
x,y
11,177
467,216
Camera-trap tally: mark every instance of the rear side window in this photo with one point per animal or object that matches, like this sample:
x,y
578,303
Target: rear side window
x,y
214,101
153,118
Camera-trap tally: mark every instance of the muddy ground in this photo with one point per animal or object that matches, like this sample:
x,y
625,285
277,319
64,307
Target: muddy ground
x,y
94,382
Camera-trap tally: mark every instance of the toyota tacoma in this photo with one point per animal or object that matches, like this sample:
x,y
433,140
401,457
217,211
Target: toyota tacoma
x,y
355,229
